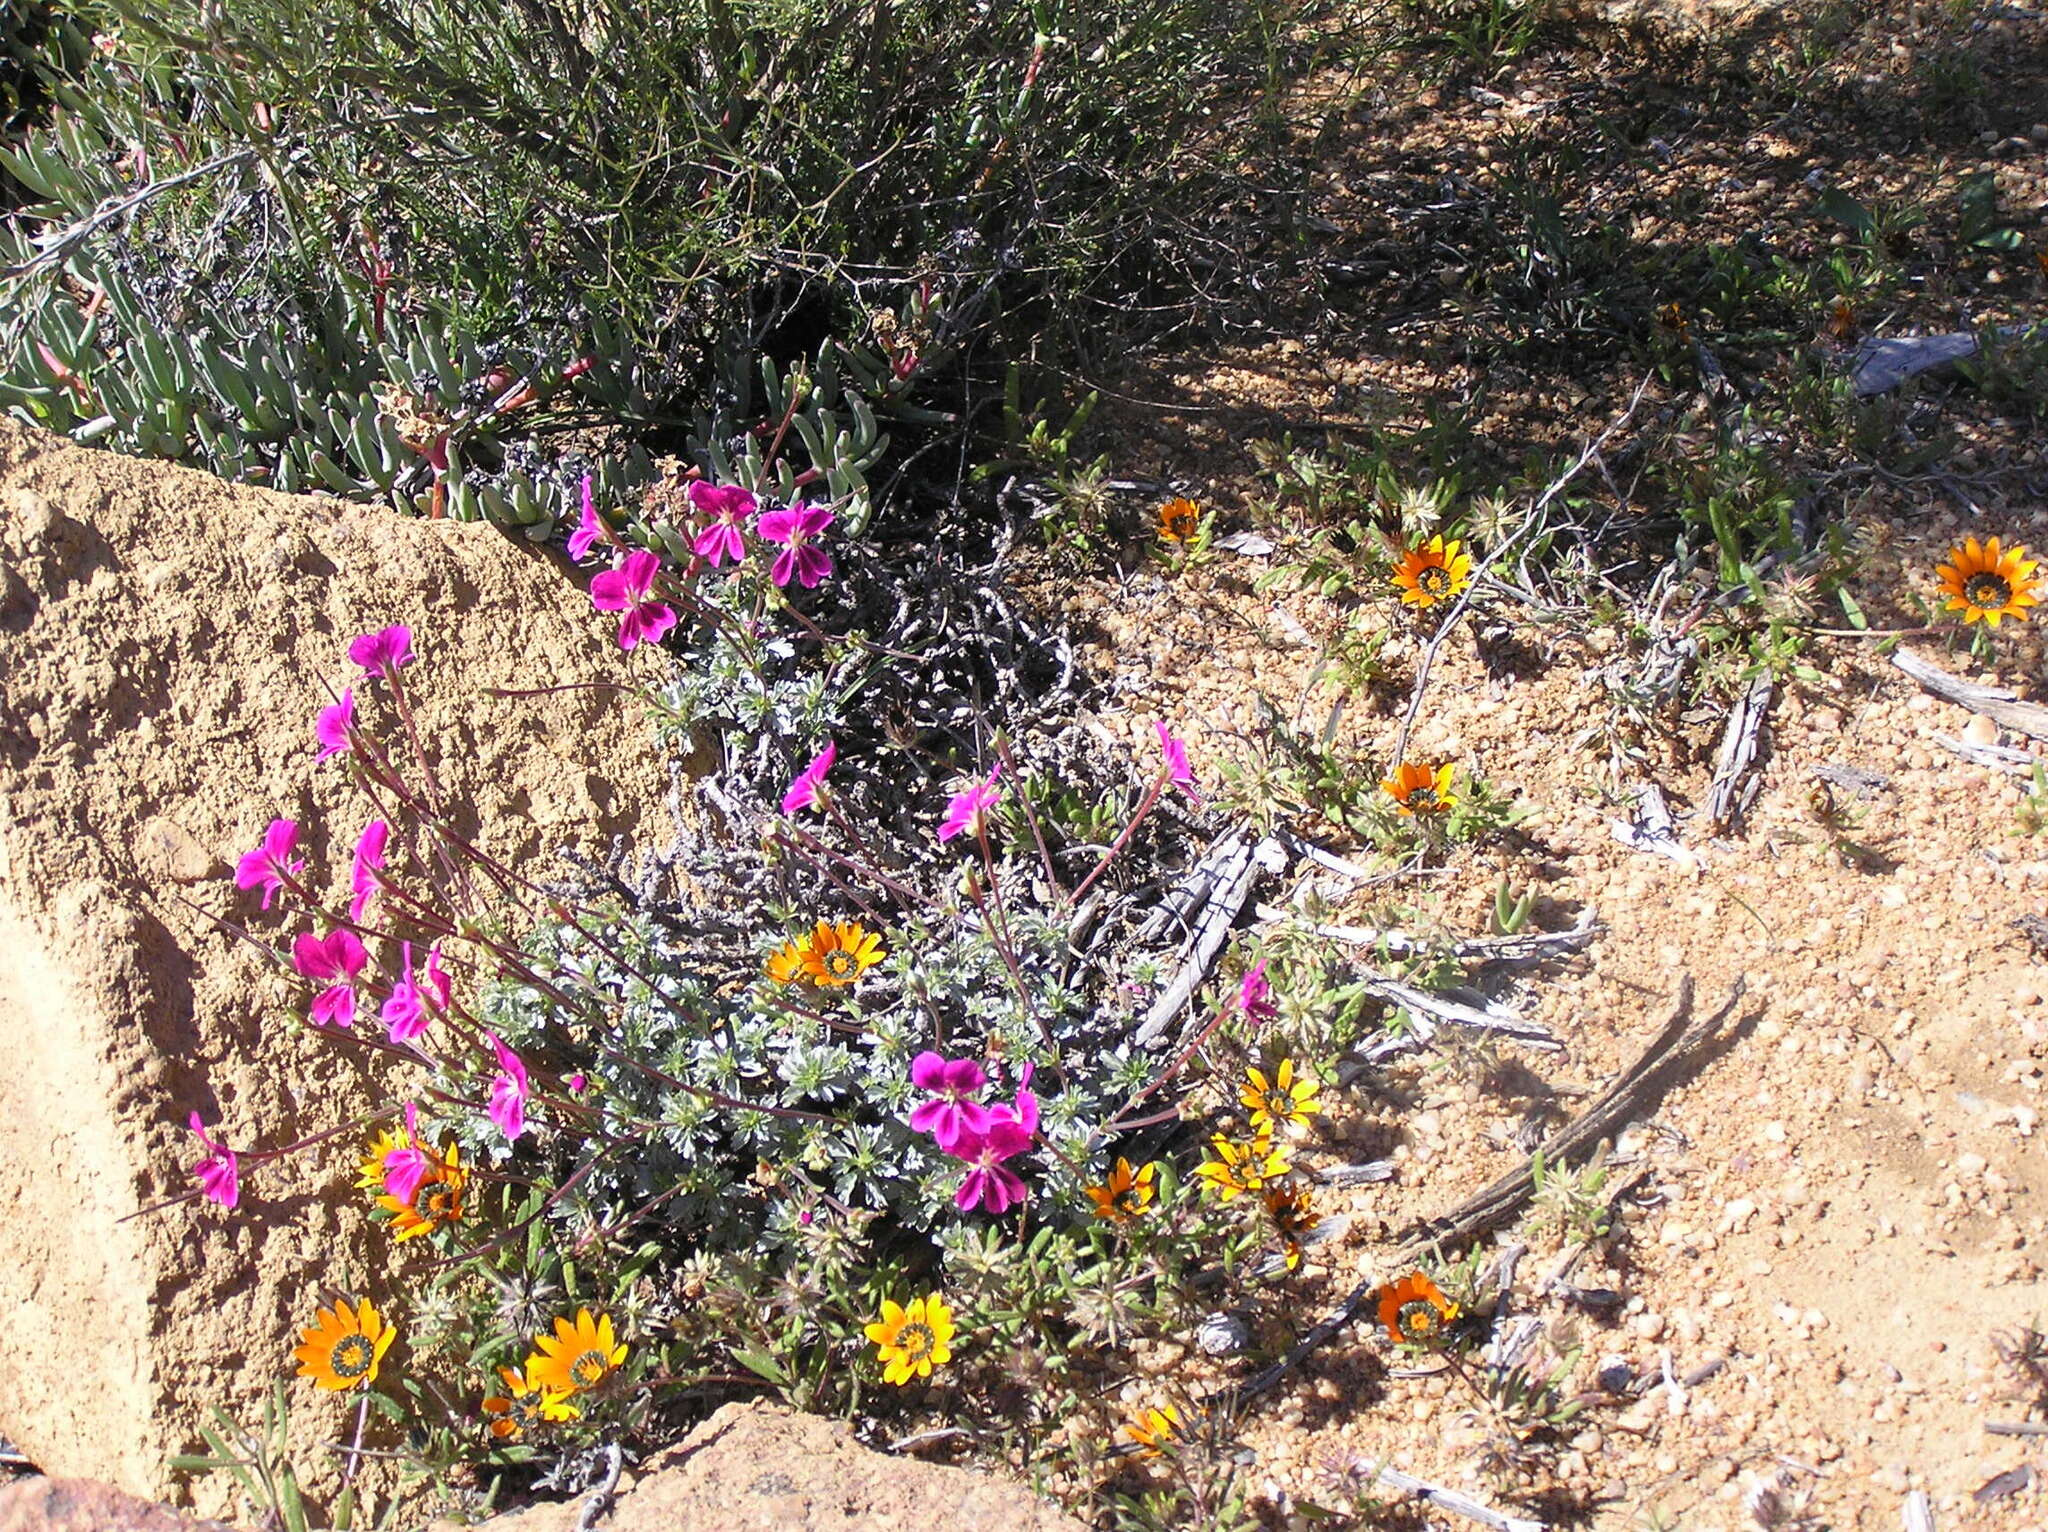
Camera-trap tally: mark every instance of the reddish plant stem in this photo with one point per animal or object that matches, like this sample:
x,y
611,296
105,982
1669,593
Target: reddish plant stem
x,y
1144,807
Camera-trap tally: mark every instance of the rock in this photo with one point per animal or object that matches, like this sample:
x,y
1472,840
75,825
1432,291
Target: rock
x,y
86,1505
760,1468
161,663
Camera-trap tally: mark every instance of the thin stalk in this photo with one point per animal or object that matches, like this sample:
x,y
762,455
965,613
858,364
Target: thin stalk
x,y
1144,807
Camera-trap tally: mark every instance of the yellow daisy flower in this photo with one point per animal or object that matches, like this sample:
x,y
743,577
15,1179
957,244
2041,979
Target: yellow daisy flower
x,y
1986,585
1282,1102
1125,1194
1435,571
523,1406
577,1356
840,954
1243,1167
1418,789
1153,1431
436,1201
914,1340
342,1351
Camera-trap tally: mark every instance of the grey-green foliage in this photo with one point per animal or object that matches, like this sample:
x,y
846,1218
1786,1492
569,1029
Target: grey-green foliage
x,y
657,1022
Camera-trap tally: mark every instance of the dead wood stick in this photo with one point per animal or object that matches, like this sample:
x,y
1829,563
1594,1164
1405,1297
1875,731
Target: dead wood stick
x,y
1994,702
1524,947
1726,798
1425,1010
1186,898
1461,1505
1225,904
2008,758
1676,1040
1916,1514
2016,1428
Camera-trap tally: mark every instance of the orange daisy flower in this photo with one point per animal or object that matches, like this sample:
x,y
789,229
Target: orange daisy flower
x,y
1414,1309
1433,571
1125,1194
1418,789
1179,519
1986,585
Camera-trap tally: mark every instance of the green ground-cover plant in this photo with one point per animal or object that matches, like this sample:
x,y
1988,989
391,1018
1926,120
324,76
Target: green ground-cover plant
x,y
455,256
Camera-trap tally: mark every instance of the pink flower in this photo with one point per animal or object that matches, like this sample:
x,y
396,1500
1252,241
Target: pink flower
x,y
220,1173
271,864
508,1091
808,790
588,530
334,961
728,506
407,1165
439,989
1255,995
578,1083
1007,1132
369,861
405,1017
965,813
794,528
1178,771
382,652
989,1183
630,589
952,1112
332,727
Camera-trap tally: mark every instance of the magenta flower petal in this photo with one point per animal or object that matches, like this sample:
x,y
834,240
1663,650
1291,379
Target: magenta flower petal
x,y
728,506
965,812
271,864
507,1106
645,624
382,652
405,1016
331,728
404,1169
629,590
439,990
219,1174
588,528
1255,995
369,861
796,528
808,790
618,589
1178,772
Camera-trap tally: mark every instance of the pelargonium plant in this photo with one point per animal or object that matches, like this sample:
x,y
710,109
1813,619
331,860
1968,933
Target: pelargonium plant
x,y
623,1148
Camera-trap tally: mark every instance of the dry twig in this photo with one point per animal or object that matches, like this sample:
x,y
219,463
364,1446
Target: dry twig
x,y
1677,1040
1994,702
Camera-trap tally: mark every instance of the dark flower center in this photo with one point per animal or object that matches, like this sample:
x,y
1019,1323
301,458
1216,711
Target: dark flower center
x,y
1988,589
841,964
1434,581
351,1356
589,1368
915,1341
1418,1318
1279,1103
